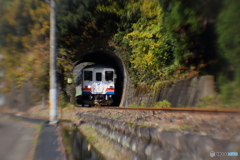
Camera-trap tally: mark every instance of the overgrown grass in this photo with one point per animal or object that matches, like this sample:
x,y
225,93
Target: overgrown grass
x,y
39,128
184,126
135,105
209,102
130,124
102,145
162,104
66,139
90,138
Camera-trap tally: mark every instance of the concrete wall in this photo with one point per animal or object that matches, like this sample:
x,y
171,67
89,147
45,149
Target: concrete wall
x,y
185,92
188,92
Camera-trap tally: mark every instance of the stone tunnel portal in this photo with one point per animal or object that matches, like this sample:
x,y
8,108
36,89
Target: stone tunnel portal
x,y
110,59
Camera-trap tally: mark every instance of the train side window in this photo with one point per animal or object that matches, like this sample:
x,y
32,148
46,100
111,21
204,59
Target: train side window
x,y
78,79
109,75
87,75
98,76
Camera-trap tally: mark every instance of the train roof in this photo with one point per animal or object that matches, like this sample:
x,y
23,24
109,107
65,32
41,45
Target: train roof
x,y
98,66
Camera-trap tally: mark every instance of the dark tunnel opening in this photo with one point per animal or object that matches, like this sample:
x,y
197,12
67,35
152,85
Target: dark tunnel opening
x,y
110,59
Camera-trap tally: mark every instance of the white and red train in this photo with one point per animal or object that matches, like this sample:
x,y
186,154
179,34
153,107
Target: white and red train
x,y
95,85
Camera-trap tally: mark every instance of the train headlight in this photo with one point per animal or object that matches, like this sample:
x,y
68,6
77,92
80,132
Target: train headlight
x,y
110,86
88,86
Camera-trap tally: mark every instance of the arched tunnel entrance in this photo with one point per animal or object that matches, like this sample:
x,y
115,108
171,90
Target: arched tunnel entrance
x,y
110,59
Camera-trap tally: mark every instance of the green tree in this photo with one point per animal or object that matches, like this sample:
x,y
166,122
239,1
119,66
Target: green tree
x,y
183,25
150,52
228,28
191,26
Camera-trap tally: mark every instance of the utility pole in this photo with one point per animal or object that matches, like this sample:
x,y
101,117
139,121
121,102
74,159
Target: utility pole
x,y
53,58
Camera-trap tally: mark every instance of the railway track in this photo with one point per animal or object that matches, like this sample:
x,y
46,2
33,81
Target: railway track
x,y
237,111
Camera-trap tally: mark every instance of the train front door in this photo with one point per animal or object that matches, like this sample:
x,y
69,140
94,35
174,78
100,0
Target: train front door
x,y
98,82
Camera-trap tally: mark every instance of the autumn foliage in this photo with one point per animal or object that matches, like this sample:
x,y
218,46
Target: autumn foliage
x,y
160,41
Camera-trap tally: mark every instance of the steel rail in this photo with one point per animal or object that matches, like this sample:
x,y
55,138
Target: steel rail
x,y
179,109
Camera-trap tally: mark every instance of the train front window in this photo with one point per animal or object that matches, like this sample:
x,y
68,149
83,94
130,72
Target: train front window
x,y
98,76
87,75
109,75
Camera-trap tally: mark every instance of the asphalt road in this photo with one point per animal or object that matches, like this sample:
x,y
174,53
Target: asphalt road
x,y
48,147
15,140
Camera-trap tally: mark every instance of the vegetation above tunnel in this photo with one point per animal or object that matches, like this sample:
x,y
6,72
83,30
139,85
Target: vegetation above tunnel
x,y
160,41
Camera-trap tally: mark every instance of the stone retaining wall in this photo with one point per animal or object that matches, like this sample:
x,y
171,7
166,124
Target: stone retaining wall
x,y
186,92
148,143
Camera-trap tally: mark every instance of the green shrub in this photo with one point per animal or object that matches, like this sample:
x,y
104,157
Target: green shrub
x,y
162,104
207,99
206,102
230,93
